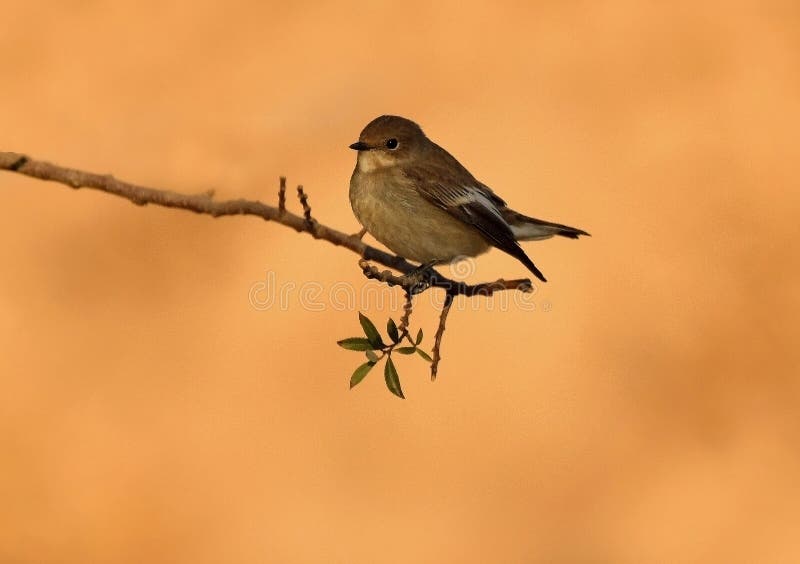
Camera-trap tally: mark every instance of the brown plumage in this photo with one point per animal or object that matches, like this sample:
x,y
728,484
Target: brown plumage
x,y
418,200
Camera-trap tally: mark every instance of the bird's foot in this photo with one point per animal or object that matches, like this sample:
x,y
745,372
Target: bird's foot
x,y
422,276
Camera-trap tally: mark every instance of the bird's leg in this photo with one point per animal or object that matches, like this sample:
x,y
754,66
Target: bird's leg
x,y
361,233
425,269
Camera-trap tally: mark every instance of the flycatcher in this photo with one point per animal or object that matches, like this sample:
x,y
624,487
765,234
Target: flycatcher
x,y
418,200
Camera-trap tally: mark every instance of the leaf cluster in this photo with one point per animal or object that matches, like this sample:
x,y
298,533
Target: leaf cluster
x,y
376,349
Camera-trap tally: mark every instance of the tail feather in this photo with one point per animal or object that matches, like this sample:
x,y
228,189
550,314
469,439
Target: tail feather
x,y
531,229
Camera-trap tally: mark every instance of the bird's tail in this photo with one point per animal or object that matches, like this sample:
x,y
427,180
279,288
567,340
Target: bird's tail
x,y
531,229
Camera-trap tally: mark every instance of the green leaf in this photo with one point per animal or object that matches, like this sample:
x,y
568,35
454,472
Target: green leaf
x,y
355,344
391,328
372,356
359,373
419,337
424,355
406,350
392,379
371,332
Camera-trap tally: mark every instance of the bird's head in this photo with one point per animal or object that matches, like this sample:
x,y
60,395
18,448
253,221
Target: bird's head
x,y
388,141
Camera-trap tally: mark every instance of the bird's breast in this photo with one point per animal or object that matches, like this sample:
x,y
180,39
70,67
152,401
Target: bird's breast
x,y
388,205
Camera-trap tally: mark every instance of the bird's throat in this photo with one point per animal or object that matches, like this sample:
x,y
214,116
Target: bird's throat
x,y
370,161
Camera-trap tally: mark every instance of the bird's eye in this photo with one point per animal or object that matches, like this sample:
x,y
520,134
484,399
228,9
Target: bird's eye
x,y
391,144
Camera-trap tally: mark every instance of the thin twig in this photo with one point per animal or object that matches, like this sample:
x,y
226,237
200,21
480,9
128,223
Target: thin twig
x,y
306,207
386,276
282,195
407,309
435,280
437,339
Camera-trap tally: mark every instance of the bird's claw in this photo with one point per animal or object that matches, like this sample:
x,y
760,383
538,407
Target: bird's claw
x,y
422,277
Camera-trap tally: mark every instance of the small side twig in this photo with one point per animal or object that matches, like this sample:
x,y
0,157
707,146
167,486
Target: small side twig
x,y
306,207
386,276
437,339
407,308
282,196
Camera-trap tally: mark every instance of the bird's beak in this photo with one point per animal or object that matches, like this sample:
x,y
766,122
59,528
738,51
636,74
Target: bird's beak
x,y
360,146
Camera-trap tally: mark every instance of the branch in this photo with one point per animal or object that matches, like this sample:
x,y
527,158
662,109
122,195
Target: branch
x,y
199,203
205,204
410,279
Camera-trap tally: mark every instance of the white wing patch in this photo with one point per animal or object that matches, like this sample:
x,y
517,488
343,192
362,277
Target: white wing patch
x,y
469,195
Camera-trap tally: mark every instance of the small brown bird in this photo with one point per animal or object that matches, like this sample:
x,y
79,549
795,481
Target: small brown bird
x,y
418,200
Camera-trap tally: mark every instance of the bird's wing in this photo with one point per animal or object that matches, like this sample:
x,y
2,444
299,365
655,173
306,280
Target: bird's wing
x,y
456,191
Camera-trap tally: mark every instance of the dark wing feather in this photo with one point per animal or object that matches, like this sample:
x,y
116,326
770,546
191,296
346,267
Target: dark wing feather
x,y
455,190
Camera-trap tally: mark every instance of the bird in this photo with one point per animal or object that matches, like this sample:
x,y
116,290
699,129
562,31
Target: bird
x,y
414,197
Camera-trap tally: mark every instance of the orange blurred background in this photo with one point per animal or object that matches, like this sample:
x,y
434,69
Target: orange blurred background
x,y
645,411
